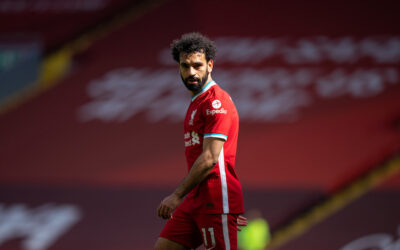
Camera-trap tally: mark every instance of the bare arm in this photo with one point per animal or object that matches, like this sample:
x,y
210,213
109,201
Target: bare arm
x,y
199,171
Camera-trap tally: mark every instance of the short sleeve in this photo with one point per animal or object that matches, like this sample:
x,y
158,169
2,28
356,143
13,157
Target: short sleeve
x,y
217,118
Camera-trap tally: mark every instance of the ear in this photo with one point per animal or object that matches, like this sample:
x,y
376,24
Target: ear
x,y
210,65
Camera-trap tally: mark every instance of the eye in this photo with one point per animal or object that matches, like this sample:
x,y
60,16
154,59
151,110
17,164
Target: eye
x,y
197,65
184,65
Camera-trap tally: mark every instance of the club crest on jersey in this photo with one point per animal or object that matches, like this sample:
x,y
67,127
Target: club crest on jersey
x,y
216,104
192,117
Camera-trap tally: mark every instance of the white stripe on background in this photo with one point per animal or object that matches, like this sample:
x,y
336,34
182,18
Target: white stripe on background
x,y
226,231
221,161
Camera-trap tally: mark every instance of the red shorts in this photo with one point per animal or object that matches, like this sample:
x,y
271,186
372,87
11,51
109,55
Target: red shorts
x,y
215,231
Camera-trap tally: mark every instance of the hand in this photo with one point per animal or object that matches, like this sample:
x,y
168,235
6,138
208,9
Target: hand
x,y
241,222
168,205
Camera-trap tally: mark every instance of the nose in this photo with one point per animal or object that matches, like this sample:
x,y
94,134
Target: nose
x,y
192,71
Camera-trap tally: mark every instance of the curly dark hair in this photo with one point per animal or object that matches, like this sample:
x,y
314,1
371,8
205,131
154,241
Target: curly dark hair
x,y
193,42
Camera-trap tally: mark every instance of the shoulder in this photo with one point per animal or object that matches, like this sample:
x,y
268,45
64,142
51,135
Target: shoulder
x,y
218,103
219,95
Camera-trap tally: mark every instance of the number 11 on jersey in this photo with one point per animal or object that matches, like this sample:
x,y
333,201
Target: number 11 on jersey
x,y
211,230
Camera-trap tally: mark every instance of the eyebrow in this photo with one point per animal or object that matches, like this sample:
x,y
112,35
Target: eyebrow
x,y
185,64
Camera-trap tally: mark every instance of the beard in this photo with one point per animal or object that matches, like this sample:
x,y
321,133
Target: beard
x,y
195,87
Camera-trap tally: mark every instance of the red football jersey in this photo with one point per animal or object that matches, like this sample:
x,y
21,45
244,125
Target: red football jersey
x,y
212,113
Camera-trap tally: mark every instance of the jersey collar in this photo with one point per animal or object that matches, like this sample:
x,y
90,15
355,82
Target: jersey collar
x,y
206,87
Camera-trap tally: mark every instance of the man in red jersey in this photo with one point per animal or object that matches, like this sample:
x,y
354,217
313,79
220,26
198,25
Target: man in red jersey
x,y
205,207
